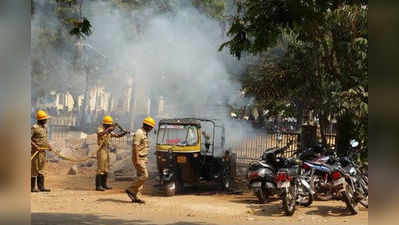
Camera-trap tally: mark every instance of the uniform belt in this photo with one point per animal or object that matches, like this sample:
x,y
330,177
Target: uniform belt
x,y
43,148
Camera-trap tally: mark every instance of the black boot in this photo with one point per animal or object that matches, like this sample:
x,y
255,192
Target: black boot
x,y
99,183
40,183
104,181
33,184
131,195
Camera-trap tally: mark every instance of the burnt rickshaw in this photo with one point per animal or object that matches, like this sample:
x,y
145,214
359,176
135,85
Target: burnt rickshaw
x,y
192,151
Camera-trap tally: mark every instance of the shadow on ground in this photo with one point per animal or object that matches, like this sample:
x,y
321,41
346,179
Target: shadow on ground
x,y
274,208
90,219
332,211
153,188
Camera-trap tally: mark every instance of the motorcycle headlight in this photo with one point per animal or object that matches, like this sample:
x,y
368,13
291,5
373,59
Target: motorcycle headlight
x,y
165,172
352,171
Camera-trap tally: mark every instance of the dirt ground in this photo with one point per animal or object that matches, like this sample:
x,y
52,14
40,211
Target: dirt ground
x,y
73,202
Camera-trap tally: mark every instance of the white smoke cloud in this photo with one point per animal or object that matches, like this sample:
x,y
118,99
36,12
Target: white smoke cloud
x,y
174,55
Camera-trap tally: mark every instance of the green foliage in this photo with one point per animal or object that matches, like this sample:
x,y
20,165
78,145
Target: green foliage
x,y
70,14
56,27
80,29
313,56
214,8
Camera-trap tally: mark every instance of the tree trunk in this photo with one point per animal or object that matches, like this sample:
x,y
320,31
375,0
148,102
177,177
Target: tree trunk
x,y
109,104
132,104
323,121
85,103
75,105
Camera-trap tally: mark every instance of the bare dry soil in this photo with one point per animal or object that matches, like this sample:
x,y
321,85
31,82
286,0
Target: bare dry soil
x,y
73,201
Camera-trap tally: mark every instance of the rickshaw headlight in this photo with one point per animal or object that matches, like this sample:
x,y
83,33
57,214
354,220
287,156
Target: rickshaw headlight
x,y
195,155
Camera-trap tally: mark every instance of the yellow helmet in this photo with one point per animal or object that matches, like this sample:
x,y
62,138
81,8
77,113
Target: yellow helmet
x,y
108,120
149,121
41,115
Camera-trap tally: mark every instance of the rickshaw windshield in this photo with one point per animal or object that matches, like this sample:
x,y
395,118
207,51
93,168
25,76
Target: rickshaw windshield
x,y
179,135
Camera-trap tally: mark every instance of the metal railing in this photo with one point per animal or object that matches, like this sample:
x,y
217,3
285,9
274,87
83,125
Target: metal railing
x,y
252,148
61,132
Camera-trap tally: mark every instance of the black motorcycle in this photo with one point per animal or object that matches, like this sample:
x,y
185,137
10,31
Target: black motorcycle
x,y
261,174
357,175
293,186
336,182
315,175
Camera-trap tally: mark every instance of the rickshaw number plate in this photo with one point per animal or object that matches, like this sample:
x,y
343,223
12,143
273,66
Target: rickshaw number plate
x,y
181,159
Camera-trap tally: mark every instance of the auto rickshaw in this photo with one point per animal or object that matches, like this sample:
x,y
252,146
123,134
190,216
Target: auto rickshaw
x,y
192,151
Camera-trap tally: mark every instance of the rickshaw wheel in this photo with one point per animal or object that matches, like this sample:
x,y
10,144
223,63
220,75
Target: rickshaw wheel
x,y
170,188
227,182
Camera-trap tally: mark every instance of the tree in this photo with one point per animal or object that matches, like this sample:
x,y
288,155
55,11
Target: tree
x,y
313,55
57,25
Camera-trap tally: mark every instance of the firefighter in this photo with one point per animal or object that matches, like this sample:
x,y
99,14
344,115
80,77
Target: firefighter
x,y
104,134
40,144
140,160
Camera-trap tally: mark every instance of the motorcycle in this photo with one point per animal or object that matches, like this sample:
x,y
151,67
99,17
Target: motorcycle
x,y
316,173
293,186
357,176
337,182
261,173
344,188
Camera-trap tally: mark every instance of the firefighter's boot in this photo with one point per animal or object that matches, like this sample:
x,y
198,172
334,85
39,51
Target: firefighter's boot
x,y
33,185
99,183
104,179
40,184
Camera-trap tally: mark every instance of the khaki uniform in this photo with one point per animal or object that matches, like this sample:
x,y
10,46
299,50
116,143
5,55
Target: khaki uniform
x,y
141,140
103,142
39,137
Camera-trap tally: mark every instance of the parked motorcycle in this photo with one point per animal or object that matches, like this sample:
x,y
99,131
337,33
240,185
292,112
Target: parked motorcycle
x,y
357,175
314,172
336,181
333,177
261,174
344,188
293,186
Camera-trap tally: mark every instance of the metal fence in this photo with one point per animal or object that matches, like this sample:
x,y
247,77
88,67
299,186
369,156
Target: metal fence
x,y
125,140
62,132
331,140
252,148
58,132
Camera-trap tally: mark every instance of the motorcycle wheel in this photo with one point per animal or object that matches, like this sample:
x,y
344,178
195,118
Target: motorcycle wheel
x,y
260,195
305,198
308,201
227,183
289,201
349,200
324,196
365,202
364,183
170,188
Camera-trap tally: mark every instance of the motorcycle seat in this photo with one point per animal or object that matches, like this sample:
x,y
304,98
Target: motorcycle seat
x,y
266,165
321,164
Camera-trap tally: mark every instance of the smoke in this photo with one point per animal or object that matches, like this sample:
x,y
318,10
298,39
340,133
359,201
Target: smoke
x,y
173,55
170,55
